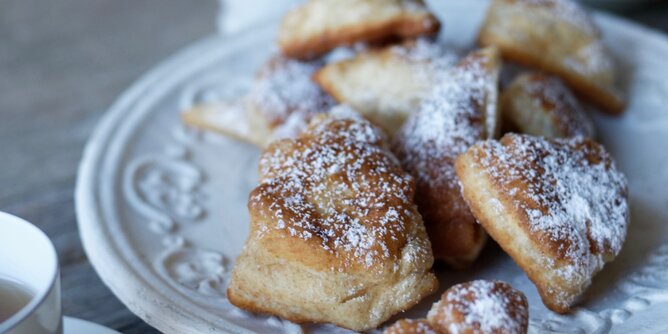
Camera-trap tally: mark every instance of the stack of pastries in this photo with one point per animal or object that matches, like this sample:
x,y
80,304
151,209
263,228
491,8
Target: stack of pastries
x,y
377,165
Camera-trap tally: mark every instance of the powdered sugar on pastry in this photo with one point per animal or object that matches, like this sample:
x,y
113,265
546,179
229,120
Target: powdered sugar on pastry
x,y
338,185
575,198
559,37
286,96
448,122
541,105
410,326
434,53
480,306
460,111
552,92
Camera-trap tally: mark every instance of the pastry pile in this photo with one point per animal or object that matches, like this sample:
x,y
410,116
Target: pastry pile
x,y
379,162
460,111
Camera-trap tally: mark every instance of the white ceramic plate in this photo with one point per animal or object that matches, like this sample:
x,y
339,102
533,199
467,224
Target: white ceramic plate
x,y
162,210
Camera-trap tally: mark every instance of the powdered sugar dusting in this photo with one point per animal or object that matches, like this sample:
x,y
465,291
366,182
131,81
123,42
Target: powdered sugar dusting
x,y
484,306
572,194
550,93
286,96
411,326
338,186
447,123
434,54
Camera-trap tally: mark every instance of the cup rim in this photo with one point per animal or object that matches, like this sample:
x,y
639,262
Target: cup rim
x,y
40,296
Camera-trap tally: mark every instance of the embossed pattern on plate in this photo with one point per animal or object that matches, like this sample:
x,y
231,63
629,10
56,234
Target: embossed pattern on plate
x,y
162,209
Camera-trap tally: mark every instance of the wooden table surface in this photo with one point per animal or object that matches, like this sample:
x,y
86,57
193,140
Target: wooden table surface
x,y
62,63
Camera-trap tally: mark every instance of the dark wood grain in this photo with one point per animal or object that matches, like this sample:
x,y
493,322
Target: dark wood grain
x,y
62,63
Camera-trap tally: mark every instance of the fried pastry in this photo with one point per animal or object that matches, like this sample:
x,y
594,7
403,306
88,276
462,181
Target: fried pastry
x,y
460,111
319,26
557,207
386,85
410,326
541,105
489,307
279,105
335,236
559,37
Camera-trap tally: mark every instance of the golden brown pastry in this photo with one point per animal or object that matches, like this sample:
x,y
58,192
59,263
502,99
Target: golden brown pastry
x,y
541,105
335,236
386,85
477,307
410,326
460,111
319,26
559,37
490,307
557,207
280,104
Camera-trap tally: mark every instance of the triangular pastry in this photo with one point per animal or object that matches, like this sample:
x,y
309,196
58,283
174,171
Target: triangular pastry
x,y
557,207
318,26
280,104
489,307
335,236
541,105
386,85
559,37
460,111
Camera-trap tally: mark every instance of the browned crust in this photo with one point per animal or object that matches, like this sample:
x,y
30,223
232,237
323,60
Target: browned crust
x,y
454,307
406,26
302,280
455,236
478,188
469,174
454,311
583,87
410,326
530,104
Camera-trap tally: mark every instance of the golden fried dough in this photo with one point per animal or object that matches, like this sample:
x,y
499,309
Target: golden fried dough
x,y
485,307
319,26
541,105
490,307
559,37
387,85
557,207
279,105
460,111
335,236
410,326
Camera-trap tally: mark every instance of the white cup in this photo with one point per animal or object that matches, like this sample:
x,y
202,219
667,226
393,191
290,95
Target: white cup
x,y
27,256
